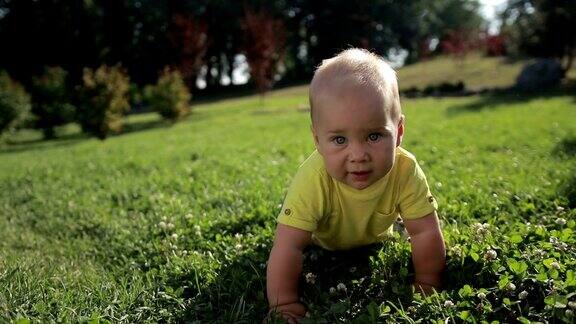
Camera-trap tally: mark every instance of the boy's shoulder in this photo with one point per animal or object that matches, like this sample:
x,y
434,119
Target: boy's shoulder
x,y
313,165
404,159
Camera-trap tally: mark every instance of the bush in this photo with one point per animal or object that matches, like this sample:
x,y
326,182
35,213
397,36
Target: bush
x,y
51,100
14,103
104,100
169,97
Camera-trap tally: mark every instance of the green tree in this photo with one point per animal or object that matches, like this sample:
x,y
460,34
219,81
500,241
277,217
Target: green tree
x,y
542,28
14,103
104,100
51,100
169,97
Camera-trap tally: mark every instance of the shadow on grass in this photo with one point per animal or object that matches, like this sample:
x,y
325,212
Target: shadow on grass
x,y
41,144
237,293
509,96
567,189
69,139
566,148
336,286
144,126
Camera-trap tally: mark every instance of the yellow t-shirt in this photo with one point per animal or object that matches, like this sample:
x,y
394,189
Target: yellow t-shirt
x,y
342,217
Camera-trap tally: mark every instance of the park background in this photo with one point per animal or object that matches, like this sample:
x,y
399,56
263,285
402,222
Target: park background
x,y
146,146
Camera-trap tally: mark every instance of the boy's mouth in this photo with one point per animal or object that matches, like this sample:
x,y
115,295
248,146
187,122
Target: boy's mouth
x,y
361,175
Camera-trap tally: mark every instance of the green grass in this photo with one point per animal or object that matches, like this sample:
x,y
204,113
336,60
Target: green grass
x,y
87,227
475,70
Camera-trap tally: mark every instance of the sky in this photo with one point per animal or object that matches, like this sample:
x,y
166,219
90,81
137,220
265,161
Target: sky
x,y
490,10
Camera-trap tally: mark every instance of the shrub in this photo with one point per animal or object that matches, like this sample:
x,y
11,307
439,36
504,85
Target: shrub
x,y
51,100
14,103
169,97
104,100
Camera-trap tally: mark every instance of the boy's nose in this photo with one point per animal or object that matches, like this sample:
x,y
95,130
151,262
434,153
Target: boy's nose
x,y
357,153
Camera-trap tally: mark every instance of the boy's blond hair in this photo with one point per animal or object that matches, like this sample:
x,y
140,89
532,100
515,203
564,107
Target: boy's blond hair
x,y
360,67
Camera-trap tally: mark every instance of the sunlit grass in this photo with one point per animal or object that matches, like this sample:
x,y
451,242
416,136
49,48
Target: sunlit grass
x,y
88,227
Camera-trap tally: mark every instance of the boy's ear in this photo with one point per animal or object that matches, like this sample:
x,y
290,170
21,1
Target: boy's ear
x,y
400,133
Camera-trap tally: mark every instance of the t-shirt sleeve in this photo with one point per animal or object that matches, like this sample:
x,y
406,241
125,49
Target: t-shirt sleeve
x,y
415,199
305,200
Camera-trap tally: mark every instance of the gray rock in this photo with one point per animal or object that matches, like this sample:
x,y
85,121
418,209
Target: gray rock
x,y
543,73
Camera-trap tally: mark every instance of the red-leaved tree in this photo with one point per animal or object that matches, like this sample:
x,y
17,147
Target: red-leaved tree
x,y
264,46
457,43
189,35
495,45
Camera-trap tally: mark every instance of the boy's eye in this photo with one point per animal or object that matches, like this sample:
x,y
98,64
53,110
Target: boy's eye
x,y
374,137
339,140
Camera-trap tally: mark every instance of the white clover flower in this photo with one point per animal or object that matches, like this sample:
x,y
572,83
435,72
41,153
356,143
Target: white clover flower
x,y
456,250
238,236
162,225
560,208
170,226
523,294
238,246
490,255
341,287
560,221
572,305
569,313
511,287
174,246
184,252
188,216
448,303
540,253
481,295
310,278
555,265
174,236
481,229
332,290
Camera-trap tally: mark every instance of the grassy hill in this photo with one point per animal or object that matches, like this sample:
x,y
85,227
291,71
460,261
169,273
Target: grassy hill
x,y
175,223
475,70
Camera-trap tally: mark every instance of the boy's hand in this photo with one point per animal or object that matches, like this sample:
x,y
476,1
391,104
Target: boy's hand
x,y
428,252
292,313
284,268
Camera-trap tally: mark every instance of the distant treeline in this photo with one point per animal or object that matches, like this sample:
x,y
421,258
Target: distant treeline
x,y
145,36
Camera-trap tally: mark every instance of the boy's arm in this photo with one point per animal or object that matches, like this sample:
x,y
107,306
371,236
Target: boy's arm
x,y
284,268
428,252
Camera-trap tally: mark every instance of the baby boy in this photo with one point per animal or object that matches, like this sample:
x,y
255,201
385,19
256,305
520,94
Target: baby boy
x,y
351,189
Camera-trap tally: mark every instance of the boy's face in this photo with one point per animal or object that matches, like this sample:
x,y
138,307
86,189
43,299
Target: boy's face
x,y
355,135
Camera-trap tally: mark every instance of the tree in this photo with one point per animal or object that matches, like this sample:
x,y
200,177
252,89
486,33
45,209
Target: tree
x,y
542,28
264,47
104,100
51,100
189,36
14,103
169,97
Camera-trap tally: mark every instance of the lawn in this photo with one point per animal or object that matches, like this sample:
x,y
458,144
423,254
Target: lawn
x,y
174,223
